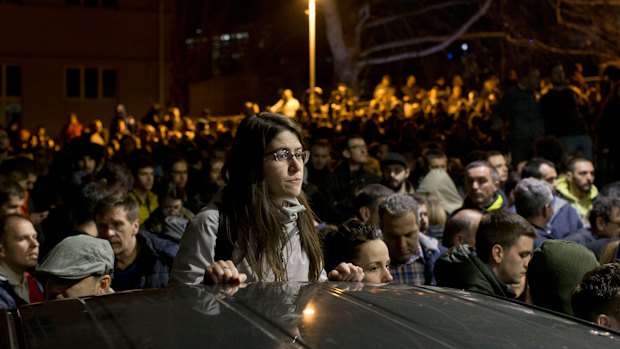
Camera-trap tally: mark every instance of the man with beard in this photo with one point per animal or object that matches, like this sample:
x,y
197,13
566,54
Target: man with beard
x,y
395,173
577,186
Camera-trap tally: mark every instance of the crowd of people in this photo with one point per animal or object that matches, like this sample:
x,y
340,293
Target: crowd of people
x,y
491,192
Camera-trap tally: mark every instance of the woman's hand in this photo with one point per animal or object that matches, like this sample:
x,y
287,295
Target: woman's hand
x,y
346,272
223,272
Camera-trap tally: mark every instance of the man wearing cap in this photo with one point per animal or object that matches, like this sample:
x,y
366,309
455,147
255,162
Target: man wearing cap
x,y
78,266
395,173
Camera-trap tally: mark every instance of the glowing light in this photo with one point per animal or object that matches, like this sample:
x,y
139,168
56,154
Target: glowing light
x,y
450,56
464,47
309,311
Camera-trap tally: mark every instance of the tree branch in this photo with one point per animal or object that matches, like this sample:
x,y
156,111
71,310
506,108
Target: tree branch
x,y
421,53
387,20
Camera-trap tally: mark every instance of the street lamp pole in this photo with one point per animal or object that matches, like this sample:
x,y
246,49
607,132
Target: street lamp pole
x,y
312,40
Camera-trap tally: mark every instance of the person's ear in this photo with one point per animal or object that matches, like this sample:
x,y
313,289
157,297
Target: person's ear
x,y
346,153
547,211
104,283
497,253
364,213
600,223
407,172
458,239
136,226
602,320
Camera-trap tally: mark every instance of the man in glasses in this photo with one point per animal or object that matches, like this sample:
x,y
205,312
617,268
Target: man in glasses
x,y
352,174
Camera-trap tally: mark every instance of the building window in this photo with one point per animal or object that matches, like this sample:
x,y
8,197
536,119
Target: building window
x,y
13,81
109,83
92,3
90,83
10,93
73,83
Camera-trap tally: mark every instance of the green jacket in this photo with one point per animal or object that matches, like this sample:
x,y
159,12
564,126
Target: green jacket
x,y
461,268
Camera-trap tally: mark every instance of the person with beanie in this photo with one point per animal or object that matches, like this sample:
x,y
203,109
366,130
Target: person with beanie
x,y
556,268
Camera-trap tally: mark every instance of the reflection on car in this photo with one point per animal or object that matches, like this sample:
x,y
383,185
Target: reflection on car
x,y
322,315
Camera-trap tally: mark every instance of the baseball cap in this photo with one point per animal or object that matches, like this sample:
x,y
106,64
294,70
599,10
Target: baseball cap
x,y
394,158
77,257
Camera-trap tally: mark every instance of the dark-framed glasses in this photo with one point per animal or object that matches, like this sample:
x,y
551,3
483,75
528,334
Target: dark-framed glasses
x,y
284,155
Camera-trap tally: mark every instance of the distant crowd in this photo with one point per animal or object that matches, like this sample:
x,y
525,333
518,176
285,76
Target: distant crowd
x,y
494,191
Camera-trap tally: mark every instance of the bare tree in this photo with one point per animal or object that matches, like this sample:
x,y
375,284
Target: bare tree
x,y
367,33
388,31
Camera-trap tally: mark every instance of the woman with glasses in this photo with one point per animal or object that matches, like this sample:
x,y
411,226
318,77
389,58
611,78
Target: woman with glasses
x,y
259,227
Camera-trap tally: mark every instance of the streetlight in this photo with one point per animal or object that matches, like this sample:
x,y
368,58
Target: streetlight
x,y
312,40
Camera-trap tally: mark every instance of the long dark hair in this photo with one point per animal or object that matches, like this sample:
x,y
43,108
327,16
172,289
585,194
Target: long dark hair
x,y
255,218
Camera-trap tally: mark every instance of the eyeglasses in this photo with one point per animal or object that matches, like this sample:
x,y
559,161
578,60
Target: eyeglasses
x,y
284,155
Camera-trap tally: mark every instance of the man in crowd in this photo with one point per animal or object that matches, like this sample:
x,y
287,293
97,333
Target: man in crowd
x,y
577,186
24,171
604,225
78,266
563,114
534,202
435,159
142,260
519,114
597,298
412,260
321,183
367,201
498,161
504,243
352,174
565,219
461,228
482,185
11,197
19,251
142,167
395,173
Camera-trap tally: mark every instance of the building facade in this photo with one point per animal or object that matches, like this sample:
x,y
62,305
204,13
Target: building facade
x,y
82,56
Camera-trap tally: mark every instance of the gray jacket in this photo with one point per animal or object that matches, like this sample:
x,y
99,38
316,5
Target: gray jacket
x,y
197,248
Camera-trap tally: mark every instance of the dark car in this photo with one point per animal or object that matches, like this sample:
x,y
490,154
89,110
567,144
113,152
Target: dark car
x,y
276,315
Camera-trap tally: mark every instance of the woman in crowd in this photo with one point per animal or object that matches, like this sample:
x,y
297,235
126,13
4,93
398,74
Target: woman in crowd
x,y
360,244
260,226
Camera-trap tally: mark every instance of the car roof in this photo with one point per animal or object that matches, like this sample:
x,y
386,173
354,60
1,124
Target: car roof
x,y
326,315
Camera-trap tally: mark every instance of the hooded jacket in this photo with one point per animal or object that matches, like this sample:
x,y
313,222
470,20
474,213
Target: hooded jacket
x,y
439,181
583,206
461,268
